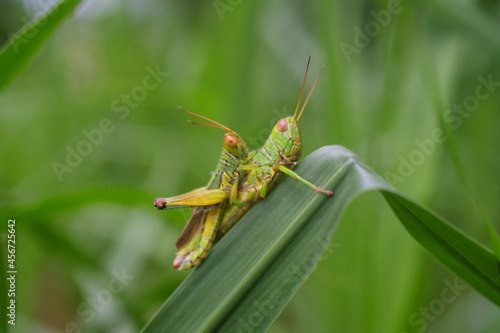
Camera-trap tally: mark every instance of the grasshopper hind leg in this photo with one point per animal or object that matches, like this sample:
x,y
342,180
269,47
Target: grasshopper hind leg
x,y
180,258
193,253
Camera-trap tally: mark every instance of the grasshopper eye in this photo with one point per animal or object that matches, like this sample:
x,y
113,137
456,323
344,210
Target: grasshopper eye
x,y
282,125
230,140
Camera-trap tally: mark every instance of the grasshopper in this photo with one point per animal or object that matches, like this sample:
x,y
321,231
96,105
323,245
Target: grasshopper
x,y
266,165
229,195
209,201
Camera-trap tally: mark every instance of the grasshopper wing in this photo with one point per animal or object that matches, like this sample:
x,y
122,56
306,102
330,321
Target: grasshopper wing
x,y
193,226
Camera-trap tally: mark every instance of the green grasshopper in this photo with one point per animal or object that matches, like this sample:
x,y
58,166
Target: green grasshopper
x,y
261,170
266,165
209,201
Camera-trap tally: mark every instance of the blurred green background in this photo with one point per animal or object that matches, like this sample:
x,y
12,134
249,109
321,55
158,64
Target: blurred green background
x,y
392,68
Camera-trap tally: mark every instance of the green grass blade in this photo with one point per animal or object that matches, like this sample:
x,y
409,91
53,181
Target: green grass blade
x,y
254,271
22,45
436,96
471,261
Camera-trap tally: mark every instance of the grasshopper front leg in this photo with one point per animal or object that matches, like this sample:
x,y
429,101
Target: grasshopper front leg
x,y
295,175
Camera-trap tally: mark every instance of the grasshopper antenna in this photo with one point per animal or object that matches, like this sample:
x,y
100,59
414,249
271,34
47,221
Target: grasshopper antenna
x,y
303,85
310,93
214,123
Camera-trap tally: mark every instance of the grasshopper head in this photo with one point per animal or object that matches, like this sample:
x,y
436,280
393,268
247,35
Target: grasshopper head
x,y
286,133
235,145
286,137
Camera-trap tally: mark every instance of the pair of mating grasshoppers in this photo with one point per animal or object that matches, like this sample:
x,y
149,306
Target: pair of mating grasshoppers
x,y
239,181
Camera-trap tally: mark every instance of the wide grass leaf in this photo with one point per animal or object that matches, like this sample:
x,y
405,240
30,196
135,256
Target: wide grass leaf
x,y
23,44
254,271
